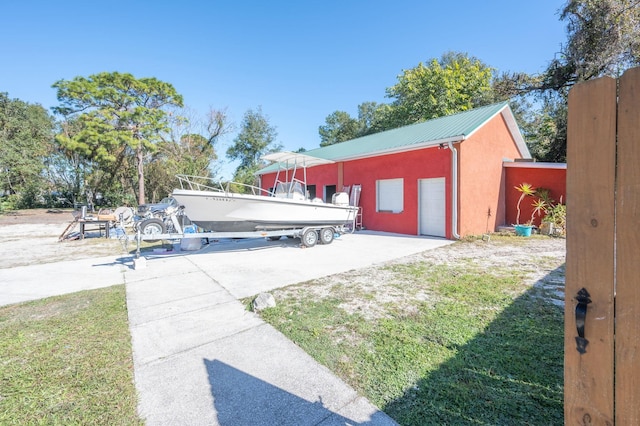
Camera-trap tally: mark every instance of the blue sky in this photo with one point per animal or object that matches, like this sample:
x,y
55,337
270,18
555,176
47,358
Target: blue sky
x,y
297,60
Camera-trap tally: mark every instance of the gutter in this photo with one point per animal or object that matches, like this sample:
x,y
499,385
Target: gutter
x,y
454,191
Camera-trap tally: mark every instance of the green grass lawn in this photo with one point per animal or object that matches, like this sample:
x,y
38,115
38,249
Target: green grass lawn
x,y
481,349
67,361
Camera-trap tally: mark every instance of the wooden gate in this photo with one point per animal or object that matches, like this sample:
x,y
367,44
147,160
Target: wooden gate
x,y
602,294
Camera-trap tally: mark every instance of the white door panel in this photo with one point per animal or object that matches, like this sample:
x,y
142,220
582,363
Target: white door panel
x,y
432,207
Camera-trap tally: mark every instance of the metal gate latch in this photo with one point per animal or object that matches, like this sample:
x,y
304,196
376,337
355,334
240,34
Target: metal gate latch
x,y
583,298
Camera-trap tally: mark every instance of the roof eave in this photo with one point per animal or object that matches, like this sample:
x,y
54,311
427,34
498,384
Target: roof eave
x,y
405,148
534,165
517,135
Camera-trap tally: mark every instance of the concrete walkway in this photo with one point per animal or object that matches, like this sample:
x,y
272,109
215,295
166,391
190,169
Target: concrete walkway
x,y
199,357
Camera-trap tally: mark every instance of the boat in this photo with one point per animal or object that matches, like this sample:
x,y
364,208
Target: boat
x,y
233,207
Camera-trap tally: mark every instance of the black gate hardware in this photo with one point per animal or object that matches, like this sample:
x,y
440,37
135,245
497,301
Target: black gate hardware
x,y
583,298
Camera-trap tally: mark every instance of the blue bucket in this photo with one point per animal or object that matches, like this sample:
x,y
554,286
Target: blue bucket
x,y
523,230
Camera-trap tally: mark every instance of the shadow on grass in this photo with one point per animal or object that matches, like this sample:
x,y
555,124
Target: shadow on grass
x,y
510,373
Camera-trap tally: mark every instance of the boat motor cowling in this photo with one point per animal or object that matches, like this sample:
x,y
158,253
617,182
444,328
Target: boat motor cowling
x,y
340,199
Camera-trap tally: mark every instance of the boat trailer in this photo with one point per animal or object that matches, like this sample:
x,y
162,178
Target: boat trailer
x,y
309,235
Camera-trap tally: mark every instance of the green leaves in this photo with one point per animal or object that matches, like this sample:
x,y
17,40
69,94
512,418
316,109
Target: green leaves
x,y
603,39
452,84
339,127
26,135
255,139
116,110
455,83
117,117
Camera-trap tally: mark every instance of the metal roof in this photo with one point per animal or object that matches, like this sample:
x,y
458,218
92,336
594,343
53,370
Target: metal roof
x,y
456,127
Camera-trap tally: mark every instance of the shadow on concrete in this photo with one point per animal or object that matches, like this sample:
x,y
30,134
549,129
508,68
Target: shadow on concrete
x,y
228,245
123,261
242,399
224,245
509,374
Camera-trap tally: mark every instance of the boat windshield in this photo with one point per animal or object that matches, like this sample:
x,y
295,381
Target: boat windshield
x,y
293,190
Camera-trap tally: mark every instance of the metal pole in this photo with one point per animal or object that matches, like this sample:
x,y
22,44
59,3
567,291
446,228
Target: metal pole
x,y
138,238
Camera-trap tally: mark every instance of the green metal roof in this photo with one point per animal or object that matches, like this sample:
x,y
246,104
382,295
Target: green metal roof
x,y
454,127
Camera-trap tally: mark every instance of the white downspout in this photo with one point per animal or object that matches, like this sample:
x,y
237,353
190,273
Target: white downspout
x,y
454,192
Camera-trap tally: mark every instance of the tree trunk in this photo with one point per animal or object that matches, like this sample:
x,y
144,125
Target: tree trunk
x,y
139,158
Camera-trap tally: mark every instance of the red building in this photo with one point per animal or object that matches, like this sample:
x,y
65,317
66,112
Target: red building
x,y
443,177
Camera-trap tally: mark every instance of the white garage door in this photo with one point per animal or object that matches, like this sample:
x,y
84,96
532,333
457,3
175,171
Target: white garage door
x,y
432,207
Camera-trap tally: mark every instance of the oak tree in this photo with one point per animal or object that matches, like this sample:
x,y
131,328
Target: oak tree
x,y
256,138
26,136
454,83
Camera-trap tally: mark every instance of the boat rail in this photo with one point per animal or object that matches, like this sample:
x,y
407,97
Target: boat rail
x,y
203,183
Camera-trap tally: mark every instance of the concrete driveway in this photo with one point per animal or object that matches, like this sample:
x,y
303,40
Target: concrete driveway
x,y
251,266
200,358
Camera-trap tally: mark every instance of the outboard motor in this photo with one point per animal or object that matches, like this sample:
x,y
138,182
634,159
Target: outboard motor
x,y
340,199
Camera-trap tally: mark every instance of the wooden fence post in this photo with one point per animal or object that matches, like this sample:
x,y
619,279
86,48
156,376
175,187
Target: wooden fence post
x,y
591,165
627,325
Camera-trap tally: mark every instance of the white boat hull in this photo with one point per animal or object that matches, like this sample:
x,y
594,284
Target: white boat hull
x,y
231,212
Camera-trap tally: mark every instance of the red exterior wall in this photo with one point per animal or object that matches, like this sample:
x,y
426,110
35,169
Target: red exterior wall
x,y
411,166
481,192
486,195
540,175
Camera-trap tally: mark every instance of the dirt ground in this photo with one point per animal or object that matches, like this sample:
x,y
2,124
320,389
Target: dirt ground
x,y
32,236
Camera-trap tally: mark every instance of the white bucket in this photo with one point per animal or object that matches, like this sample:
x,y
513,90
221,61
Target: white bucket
x,y
190,244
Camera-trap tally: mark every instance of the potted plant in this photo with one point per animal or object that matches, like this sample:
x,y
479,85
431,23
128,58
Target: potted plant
x,y
540,206
556,219
524,229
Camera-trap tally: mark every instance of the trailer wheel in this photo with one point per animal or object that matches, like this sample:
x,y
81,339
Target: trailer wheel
x,y
152,227
309,238
326,235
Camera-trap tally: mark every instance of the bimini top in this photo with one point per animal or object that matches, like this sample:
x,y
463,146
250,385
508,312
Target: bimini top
x,y
452,128
290,160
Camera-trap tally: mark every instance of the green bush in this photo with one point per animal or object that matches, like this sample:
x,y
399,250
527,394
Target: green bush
x,y
8,203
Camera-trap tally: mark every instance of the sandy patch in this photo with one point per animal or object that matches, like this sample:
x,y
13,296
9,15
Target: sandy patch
x,y
32,237
368,291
